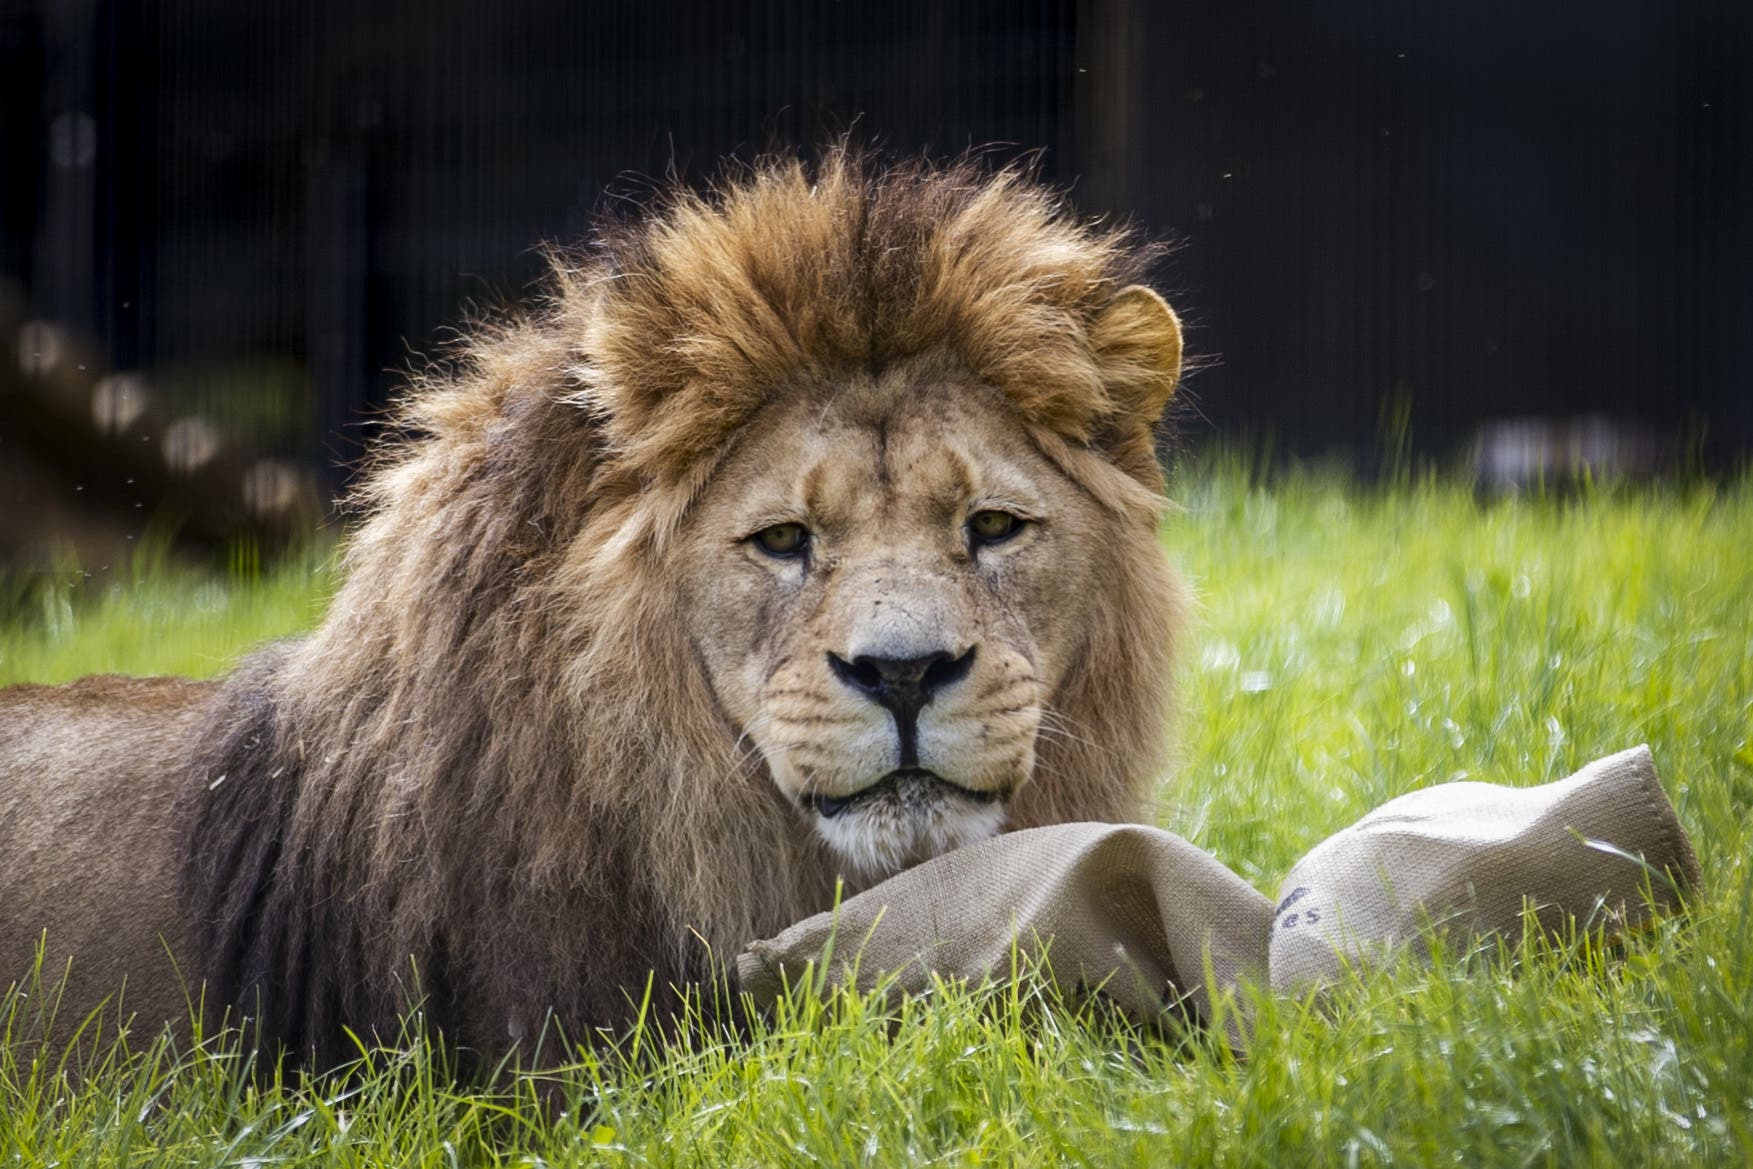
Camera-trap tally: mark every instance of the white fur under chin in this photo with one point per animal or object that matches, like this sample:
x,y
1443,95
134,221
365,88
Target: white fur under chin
x,y
875,842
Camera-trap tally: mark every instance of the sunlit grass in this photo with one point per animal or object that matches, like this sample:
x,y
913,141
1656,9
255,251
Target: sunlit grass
x,y
1349,645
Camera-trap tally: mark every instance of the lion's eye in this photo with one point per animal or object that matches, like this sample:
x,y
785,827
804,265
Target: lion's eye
x,y
783,539
993,527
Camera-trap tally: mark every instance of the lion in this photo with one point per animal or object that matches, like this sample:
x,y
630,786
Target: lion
x,y
806,530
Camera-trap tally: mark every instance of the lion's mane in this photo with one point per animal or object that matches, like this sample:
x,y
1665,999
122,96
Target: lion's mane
x,y
495,780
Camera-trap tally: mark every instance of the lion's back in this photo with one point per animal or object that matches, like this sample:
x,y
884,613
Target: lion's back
x,y
88,839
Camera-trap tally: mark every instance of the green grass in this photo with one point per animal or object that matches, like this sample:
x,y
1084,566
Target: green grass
x,y
1349,645
153,617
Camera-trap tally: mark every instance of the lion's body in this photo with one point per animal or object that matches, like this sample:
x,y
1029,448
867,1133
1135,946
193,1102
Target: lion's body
x,y
89,851
566,727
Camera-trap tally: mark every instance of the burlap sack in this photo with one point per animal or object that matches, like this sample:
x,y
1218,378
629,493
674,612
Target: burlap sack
x,y
1137,912
1120,908
1464,858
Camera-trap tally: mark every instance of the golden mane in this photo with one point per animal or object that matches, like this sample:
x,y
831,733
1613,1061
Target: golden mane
x,y
495,779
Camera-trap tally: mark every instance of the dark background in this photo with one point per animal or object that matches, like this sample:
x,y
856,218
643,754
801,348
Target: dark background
x,y
1456,213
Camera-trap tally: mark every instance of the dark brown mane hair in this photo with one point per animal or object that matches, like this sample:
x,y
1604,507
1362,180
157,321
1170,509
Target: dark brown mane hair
x,y
495,781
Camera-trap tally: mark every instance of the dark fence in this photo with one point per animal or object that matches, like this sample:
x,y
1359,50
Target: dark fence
x,y
1466,212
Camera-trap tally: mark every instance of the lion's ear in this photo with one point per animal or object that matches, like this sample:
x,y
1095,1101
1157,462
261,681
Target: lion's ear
x,y
1137,341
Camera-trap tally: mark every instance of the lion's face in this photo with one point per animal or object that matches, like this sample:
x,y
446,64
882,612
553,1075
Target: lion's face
x,y
885,586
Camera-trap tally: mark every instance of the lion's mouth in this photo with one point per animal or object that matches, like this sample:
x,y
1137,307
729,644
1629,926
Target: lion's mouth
x,y
906,787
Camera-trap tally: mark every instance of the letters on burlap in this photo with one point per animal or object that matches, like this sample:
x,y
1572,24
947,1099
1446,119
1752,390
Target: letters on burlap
x,y
1144,917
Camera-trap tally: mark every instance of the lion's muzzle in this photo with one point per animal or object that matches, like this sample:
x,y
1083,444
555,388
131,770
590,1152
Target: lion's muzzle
x,y
906,721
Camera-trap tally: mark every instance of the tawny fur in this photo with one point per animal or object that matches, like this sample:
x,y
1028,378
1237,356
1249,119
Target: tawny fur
x,y
495,779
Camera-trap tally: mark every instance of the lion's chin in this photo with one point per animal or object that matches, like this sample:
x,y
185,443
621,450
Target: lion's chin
x,y
904,819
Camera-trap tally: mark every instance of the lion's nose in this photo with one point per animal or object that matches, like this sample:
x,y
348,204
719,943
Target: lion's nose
x,y
902,686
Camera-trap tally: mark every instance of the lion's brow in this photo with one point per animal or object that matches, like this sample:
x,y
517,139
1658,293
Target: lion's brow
x,y
812,486
959,479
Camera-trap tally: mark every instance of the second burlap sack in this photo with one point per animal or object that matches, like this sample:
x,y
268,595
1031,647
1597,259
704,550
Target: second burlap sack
x,y
1462,860
1142,915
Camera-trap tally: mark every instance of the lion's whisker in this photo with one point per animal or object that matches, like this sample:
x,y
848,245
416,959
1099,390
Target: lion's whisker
x,y
1054,726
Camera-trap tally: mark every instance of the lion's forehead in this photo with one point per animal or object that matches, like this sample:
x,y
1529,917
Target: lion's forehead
x,y
923,458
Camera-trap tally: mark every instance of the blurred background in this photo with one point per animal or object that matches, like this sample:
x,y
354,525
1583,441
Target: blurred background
x,y
1512,238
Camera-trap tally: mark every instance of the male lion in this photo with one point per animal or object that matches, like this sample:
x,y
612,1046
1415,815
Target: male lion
x,y
808,530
